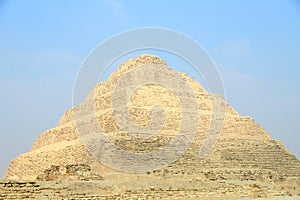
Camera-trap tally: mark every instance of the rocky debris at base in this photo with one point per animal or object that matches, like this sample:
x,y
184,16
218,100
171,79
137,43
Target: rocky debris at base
x,y
73,172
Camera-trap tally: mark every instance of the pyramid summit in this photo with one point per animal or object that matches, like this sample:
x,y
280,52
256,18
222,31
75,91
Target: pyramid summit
x,y
244,151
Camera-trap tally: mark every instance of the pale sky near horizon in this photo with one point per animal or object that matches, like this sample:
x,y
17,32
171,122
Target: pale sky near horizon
x,y
255,44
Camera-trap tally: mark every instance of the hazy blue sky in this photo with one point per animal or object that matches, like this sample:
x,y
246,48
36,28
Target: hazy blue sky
x,y
256,45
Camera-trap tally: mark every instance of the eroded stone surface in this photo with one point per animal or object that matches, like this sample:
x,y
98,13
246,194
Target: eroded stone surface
x,y
75,172
244,151
135,187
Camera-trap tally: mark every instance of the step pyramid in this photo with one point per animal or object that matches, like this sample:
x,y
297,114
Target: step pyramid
x,y
243,151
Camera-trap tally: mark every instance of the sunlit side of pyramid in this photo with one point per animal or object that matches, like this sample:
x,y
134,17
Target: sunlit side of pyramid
x,y
244,150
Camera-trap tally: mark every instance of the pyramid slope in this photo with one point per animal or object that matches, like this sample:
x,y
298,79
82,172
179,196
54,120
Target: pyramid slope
x,y
243,151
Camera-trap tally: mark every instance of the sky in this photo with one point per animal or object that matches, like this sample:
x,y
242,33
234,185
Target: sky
x,y
255,45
